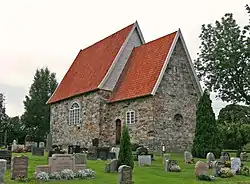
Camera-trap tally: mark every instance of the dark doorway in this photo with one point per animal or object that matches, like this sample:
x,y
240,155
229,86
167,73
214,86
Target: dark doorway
x,y
118,131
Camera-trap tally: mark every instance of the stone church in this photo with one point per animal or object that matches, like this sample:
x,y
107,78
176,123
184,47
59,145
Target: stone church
x,y
151,87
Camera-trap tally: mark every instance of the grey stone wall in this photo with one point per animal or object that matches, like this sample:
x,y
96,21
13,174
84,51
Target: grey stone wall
x,y
63,133
175,104
140,130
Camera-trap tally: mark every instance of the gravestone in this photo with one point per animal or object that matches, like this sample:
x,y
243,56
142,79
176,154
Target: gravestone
x,y
188,157
169,164
92,153
19,167
216,167
95,142
41,144
6,155
102,153
37,151
210,159
111,166
166,156
80,158
116,151
144,160
235,164
3,168
243,156
225,157
142,151
125,175
201,168
77,149
49,142
59,162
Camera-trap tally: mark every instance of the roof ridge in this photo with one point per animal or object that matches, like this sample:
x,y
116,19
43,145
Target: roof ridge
x,y
107,37
157,39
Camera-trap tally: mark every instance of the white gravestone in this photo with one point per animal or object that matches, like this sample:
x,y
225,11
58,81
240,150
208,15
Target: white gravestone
x,y
235,164
144,160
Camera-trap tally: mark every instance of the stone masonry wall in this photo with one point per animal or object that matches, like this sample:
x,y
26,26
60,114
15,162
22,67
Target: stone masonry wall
x,y
65,134
175,104
140,130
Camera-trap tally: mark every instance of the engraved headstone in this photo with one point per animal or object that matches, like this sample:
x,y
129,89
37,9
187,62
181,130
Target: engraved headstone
x,y
144,160
92,153
19,167
210,159
235,164
188,157
3,167
201,168
80,158
125,175
59,162
111,166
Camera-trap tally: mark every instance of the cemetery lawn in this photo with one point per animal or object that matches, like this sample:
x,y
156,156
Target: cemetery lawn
x,y
153,174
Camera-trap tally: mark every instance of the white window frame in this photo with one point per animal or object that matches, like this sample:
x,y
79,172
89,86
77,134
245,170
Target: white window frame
x,y
130,117
74,114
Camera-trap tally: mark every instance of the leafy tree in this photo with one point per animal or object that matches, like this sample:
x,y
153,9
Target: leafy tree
x,y
206,134
125,154
16,130
234,123
223,63
37,112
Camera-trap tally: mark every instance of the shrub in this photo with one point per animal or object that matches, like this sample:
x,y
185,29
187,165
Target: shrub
x,y
203,177
125,154
226,173
207,137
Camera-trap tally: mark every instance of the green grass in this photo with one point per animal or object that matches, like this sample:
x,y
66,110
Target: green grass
x,y
153,174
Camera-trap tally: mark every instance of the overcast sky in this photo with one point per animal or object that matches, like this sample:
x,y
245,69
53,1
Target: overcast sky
x,y
34,34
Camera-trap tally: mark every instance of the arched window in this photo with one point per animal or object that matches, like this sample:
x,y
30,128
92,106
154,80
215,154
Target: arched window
x,y
130,117
74,114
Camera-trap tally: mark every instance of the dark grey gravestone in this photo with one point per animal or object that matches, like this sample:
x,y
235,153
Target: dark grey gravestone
x,y
6,155
36,151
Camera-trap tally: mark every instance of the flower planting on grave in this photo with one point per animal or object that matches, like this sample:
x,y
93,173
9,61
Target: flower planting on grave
x,y
226,173
204,177
66,174
244,171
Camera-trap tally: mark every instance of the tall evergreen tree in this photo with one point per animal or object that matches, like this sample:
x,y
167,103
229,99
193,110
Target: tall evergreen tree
x,y
125,154
207,138
37,113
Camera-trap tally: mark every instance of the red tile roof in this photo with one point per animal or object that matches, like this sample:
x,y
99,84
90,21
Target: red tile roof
x,y
90,66
142,69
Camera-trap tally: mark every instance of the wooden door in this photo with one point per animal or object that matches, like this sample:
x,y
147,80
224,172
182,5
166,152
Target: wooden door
x,y
118,131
